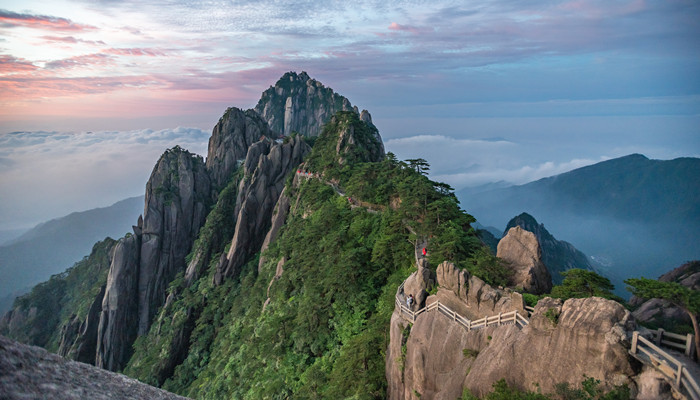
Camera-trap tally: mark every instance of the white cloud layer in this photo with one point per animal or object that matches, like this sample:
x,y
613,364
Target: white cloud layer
x,y
44,175
522,158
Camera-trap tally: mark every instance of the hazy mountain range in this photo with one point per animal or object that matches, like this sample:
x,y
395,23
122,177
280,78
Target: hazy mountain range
x,y
631,215
51,247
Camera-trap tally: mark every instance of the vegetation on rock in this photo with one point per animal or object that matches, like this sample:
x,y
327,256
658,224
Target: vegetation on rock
x,y
685,298
54,303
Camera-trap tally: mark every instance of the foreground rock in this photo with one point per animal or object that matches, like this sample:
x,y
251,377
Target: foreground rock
x,y
28,372
522,251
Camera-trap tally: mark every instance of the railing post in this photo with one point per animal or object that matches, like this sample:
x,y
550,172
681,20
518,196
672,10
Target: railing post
x,y
635,337
499,318
680,374
690,345
659,335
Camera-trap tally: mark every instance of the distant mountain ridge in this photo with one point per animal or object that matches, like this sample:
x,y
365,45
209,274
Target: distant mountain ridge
x,y
637,215
53,246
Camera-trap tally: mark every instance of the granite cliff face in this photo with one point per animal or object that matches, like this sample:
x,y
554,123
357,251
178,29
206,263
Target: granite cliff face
x,y
557,255
266,167
563,341
177,201
521,251
300,104
235,132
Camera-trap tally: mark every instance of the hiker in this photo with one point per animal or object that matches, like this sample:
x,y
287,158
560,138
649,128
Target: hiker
x,y
409,300
425,252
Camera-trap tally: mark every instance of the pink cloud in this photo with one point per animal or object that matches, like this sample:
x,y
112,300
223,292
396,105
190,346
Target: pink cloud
x,y
410,29
72,40
11,19
12,65
135,52
88,60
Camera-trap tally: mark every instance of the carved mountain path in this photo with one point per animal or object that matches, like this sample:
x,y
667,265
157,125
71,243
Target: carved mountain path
x,y
678,369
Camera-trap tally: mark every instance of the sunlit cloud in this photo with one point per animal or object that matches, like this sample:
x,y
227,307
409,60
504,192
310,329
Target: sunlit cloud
x,y
68,166
9,19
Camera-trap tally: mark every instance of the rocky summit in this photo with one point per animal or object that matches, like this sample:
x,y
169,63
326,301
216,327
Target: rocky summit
x,y
300,104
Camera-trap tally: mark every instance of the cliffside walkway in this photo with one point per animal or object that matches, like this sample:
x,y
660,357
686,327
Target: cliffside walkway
x,y
509,318
680,371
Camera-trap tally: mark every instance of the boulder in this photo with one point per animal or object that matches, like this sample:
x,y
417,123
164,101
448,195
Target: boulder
x,y
522,252
662,312
557,255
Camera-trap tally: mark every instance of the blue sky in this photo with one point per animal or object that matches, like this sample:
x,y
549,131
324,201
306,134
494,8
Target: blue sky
x,y
490,90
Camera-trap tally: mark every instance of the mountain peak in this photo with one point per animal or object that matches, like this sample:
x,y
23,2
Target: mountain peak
x,y
298,103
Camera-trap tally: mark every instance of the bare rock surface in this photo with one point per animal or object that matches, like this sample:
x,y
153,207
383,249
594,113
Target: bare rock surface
x,y
522,251
29,372
473,298
266,168
177,201
279,217
300,104
563,342
235,132
81,344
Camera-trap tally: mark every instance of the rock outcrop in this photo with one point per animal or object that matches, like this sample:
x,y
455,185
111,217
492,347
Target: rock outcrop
x,y
300,104
235,132
144,264
472,297
521,250
561,344
28,372
279,217
119,317
662,313
557,255
266,167
79,338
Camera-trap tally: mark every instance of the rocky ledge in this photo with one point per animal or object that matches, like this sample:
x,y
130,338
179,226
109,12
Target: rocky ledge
x,y
29,372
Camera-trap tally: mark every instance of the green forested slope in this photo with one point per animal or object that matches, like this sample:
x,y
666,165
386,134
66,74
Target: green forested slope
x,y
324,331
54,303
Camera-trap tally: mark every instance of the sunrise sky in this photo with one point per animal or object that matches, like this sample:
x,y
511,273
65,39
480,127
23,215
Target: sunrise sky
x,y
92,92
